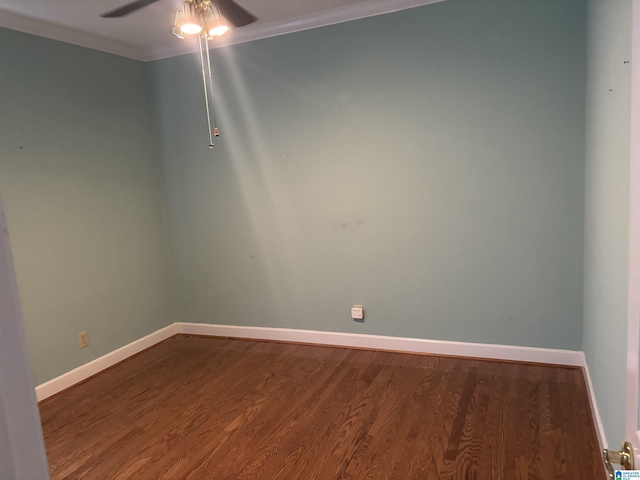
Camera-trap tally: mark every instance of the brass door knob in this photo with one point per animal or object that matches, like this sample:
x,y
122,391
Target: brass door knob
x,y
624,458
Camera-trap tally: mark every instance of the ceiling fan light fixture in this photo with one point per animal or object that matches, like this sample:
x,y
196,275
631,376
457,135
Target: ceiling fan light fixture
x,y
187,21
203,19
218,30
214,23
190,29
177,20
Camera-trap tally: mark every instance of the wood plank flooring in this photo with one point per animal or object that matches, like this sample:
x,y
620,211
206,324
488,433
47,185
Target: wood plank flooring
x,y
207,408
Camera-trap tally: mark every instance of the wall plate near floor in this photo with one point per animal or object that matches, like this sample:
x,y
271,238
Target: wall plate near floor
x,y
83,339
357,313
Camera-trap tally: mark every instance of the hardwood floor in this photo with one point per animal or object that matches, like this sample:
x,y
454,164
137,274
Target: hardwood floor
x,y
207,408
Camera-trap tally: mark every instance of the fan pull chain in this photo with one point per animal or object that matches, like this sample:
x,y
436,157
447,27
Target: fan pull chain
x,y
215,122
204,84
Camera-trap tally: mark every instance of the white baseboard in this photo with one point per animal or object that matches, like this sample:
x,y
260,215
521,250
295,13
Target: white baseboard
x,y
66,380
602,439
411,345
401,344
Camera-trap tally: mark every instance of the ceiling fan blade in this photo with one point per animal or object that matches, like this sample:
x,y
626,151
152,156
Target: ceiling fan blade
x,y
233,12
127,9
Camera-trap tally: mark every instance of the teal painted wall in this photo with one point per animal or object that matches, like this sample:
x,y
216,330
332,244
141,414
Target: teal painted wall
x,y
80,176
428,164
607,207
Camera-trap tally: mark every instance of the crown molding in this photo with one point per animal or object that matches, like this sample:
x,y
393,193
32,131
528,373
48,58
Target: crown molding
x,y
324,18
250,33
41,28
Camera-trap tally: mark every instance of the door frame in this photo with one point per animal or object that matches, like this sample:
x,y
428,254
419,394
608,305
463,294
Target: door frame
x,y
22,452
632,427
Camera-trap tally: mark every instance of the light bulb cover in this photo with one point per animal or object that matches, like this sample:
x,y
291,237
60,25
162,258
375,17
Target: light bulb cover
x,y
214,23
177,20
187,21
217,30
190,29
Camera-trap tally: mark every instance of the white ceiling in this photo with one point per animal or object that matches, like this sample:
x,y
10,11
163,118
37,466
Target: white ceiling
x,y
145,34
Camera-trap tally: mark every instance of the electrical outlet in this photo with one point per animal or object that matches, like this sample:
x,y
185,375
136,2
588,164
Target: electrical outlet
x,y
357,313
83,339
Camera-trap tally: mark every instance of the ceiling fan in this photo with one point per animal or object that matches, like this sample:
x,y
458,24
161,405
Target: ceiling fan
x,y
229,9
204,19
